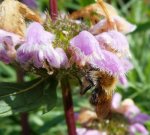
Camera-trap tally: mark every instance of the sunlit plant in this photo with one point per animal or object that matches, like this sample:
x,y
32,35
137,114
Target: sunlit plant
x,y
58,49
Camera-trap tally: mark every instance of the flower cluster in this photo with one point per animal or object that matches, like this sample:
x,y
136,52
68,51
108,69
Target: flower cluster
x,y
135,117
35,49
38,51
104,49
128,118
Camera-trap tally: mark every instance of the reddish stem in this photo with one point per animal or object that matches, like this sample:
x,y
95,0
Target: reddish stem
x,y
66,90
24,116
25,124
53,9
68,107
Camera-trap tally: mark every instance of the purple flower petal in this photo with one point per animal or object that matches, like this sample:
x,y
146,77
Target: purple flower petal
x,y
129,109
84,47
140,118
8,41
138,128
77,56
86,42
93,132
123,80
16,39
37,35
84,131
99,27
122,26
127,64
114,41
116,101
30,3
63,57
110,64
3,55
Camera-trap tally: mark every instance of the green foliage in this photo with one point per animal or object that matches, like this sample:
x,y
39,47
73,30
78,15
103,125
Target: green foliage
x,y
7,73
22,97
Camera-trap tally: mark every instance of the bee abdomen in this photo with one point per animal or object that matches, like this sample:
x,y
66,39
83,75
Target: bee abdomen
x,y
103,108
102,102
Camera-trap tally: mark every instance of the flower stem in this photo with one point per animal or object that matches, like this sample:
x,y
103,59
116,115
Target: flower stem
x,y
53,9
66,90
68,106
108,17
23,116
100,2
25,124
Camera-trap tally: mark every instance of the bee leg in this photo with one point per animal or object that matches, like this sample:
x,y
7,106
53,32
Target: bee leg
x,y
95,96
83,91
79,80
89,79
90,82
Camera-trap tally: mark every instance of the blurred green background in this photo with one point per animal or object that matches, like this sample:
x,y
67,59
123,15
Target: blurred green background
x,y
53,123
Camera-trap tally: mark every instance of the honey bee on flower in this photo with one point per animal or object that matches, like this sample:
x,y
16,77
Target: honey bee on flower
x,y
98,56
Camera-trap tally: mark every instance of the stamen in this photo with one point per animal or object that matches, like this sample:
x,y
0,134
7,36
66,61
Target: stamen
x,y
101,3
108,17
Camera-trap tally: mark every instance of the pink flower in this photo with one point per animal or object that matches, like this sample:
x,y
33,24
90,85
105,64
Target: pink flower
x,y
16,39
111,64
84,48
84,131
127,64
123,80
38,48
128,108
140,118
121,24
138,128
30,3
114,41
8,41
63,58
116,101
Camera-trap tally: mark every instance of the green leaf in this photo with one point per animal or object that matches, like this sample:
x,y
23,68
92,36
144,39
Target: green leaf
x,y
7,73
142,27
22,97
52,123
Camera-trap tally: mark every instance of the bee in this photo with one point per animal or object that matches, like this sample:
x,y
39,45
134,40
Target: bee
x,y
103,86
